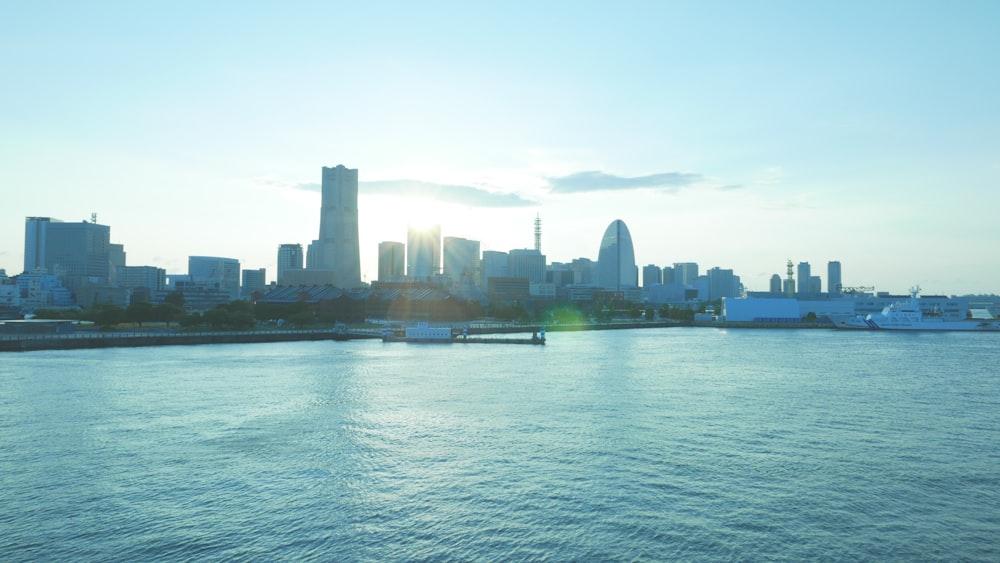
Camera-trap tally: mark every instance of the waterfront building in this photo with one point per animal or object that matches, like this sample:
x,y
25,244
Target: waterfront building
x,y
667,276
423,252
335,257
148,277
526,263
616,258
685,273
391,261
583,271
216,273
833,279
815,285
290,257
651,275
461,261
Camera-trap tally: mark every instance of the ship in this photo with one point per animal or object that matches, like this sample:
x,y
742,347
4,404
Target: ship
x,y
907,315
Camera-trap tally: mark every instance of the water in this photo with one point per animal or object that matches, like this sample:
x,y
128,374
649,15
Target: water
x,y
639,445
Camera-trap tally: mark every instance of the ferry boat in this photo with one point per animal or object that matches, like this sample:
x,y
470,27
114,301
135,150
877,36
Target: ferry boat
x,y
907,315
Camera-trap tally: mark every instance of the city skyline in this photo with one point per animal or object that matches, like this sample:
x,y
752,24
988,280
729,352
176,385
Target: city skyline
x,y
730,135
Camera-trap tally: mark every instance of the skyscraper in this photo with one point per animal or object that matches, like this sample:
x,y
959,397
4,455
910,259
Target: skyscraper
x,y
651,275
804,273
685,273
391,260
79,253
833,277
423,252
336,256
461,259
616,258
289,258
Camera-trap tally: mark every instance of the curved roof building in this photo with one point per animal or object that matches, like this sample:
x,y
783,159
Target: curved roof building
x,y
616,260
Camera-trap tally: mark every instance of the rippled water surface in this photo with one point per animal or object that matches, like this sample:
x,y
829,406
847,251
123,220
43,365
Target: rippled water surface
x,y
660,444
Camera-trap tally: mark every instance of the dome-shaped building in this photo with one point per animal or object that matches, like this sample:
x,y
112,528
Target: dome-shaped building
x,y
616,260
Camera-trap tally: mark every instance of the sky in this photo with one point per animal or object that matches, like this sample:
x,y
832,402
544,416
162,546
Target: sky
x,y
737,135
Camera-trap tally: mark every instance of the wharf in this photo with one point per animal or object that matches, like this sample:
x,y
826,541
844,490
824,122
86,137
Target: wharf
x,y
129,339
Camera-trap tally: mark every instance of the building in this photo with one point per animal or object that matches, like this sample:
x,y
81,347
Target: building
x,y
616,258
335,257
775,284
722,283
148,277
42,291
651,275
667,277
804,272
290,257
685,273
423,252
833,279
494,264
213,272
253,281
391,261
461,260
78,253
526,263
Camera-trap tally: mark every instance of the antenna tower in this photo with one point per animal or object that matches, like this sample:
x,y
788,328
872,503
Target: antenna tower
x,y
93,217
538,233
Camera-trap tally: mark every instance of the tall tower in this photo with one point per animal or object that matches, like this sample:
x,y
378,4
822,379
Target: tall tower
x,y
790,281
538,233
616,258
337,250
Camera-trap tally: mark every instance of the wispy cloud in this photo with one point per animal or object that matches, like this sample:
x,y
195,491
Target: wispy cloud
x,y
594,181
451,193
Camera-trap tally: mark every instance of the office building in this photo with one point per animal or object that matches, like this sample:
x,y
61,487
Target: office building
x,y
616,258
651,275
461,260
253,281
391,261
289,258
212,272
833,277
685,273
423,253
78,253
803,274
335,257
526,263
494,264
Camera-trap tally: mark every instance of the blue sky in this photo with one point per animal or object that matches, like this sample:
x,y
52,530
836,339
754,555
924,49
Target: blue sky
x,y
732,134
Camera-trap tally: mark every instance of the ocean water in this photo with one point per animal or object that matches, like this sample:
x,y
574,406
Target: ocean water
x,y
680,444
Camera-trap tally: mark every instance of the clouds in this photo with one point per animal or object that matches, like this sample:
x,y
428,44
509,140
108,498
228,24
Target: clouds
x,y
594,181
450,193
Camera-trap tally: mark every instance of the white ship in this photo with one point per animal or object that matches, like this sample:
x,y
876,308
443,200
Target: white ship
x,y
907,315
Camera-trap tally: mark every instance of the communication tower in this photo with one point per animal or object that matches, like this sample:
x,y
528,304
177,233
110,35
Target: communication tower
x,y
790,281
538,233
93,217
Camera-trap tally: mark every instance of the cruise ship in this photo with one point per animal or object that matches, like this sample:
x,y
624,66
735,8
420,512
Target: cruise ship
x,y
907,315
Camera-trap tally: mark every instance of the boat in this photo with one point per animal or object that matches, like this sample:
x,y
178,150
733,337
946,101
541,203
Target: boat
x,y
907,315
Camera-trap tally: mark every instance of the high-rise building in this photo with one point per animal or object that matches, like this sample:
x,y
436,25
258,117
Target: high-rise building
x,y
391,261
216,273
494,264
616,258
526,263
803,275
668,276
289,258
833,280
423,253
651,275
253,281
722,283
775,284
685,273
461,260
78,253
336,256
150,277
